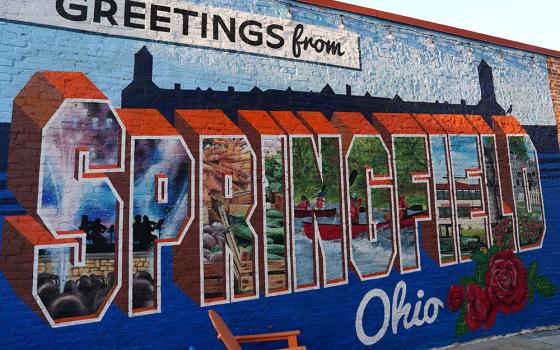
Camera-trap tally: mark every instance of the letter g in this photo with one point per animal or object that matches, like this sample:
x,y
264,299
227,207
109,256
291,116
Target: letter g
x,y
82,16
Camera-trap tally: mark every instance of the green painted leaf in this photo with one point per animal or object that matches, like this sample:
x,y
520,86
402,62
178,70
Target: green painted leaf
x,y
479,257
468,280
493,250
532,270
461,327
531,288
480,273
545,287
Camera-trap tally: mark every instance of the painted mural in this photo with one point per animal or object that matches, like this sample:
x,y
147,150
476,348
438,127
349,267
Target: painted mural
x,y
87,206
228,200
374,216
275,218
72,201
370,203
161,203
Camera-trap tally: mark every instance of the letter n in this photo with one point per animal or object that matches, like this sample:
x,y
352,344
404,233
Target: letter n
x,y
317,221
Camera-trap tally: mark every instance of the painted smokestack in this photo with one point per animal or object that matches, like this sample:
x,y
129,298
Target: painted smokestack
x,y
143,65
486,79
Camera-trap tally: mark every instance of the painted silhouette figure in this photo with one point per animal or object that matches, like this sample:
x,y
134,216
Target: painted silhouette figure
x,y
85,224
148,224
142,229
111,233
97,228
94,231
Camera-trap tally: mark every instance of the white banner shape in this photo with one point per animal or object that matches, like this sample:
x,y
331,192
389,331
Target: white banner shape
x,y
184,23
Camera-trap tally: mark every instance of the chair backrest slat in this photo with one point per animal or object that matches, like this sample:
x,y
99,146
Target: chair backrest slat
x,y
224,334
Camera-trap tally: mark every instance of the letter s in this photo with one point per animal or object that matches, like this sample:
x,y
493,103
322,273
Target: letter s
x,y
71,241
270,30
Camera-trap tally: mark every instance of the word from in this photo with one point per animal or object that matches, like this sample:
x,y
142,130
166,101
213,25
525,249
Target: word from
x,y
331,47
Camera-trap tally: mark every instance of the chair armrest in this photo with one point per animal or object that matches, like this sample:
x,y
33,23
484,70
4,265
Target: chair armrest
x,y
267,337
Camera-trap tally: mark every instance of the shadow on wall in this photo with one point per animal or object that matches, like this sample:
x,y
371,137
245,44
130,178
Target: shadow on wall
x,y
545,137
144,93
4,143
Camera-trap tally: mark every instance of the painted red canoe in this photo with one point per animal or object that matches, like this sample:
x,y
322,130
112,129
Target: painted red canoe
x,y
318,213
330,232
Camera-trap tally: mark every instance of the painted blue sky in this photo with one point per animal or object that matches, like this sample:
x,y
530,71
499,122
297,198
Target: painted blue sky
x,y
439,161
403,63
464,155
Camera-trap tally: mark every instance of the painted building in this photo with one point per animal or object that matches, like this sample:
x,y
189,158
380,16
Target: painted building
x,y
367,179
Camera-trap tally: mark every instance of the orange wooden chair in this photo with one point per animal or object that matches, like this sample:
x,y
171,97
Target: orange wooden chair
x,y
233,343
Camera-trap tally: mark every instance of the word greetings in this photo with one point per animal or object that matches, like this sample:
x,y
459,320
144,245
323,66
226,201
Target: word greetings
x,y
184,23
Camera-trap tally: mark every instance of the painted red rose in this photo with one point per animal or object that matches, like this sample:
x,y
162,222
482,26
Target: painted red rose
x,y
506,282
479,310
456,297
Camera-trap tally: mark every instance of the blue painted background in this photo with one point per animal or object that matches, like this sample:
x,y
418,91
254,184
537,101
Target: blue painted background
x,y
405,65
325,316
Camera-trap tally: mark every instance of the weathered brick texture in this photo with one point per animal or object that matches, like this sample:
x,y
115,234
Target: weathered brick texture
x,y
553,64
412,193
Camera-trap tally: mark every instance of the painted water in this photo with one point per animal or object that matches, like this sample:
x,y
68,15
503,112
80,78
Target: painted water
x,y
370,257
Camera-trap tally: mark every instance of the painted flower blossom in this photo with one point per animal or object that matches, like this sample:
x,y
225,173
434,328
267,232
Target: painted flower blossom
x,y
506,282
479,309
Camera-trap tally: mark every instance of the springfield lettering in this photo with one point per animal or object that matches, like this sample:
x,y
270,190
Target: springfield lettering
x,y
191,24
112,187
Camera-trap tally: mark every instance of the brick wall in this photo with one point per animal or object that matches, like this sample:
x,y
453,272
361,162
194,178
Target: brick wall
x,y
554,78
100,265
412,81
